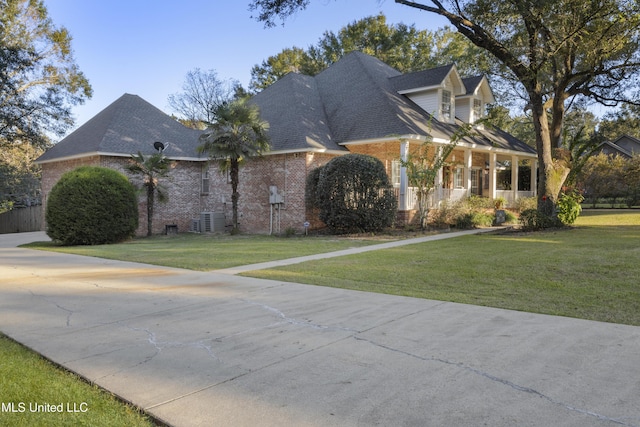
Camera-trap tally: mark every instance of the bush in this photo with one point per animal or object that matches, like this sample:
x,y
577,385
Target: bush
x,y
533,220
569,207
477,203
510,218
474,219
311,190
353,194
92,206
525,203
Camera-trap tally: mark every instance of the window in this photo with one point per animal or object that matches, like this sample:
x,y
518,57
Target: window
x,y
458,177
476,181
395,173
445,107
477,109
205,180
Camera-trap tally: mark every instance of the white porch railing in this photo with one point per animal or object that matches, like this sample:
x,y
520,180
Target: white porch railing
x,y
454,195
434,197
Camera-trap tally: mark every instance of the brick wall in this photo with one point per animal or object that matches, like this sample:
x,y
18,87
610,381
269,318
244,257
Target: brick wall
x,y
255,214
183,187
186,200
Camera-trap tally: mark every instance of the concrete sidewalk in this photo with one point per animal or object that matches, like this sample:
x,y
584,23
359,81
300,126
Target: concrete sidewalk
x,y
198,349
387,245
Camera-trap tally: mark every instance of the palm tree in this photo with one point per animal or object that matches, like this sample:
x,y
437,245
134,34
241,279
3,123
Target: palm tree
x,y
152,168
237,132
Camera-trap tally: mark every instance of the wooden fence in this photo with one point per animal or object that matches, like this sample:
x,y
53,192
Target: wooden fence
x,y
21,220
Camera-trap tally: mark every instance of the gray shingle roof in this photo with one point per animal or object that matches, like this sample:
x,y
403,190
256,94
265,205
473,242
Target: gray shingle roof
x,y
357,99
295,114
472,83
128,125
628,143
426,78
361,101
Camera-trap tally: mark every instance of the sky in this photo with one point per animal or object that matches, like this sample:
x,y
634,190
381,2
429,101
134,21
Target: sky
x,y
146,47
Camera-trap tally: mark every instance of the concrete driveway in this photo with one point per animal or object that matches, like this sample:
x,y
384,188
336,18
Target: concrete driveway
x,y
208,349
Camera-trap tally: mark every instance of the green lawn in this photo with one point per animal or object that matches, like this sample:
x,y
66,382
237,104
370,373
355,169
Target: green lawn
x,y
590,271
206,252
27,380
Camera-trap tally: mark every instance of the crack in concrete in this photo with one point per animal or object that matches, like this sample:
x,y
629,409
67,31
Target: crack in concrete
x,y
296,322
68,311
502,381
161,345
243,374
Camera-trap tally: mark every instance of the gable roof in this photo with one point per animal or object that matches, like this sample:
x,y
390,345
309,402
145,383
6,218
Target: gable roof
x,y
357,100
128,125
475,84
361,102
611,149
629,144
626,146
428,79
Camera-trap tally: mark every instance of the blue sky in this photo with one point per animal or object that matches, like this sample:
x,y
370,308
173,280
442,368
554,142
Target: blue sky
x,y
146,47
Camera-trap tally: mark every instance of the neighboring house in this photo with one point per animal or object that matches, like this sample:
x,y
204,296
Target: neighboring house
x,y
625,146
359,104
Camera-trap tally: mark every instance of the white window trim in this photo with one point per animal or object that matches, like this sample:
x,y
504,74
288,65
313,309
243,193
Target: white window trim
x,y
446,106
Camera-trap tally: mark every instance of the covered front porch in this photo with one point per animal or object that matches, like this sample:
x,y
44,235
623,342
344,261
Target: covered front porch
x,y
484,172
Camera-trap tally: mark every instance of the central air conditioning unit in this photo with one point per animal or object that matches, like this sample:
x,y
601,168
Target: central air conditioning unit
x,y
211,222
195,226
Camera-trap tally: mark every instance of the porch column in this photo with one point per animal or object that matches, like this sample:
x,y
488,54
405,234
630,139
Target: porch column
x,y
493,157
514,176
534,177
437,196
404,181
468,163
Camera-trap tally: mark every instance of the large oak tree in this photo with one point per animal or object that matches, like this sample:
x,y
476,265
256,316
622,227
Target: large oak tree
x,y
39,84
39,79
558,51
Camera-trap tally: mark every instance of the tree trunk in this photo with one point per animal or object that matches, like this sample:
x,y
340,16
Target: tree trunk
x,y
552,172
234,173
150,202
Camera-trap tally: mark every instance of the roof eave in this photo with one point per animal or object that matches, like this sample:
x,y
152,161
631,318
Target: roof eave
x,y
391,138
419,89
108,154
439,141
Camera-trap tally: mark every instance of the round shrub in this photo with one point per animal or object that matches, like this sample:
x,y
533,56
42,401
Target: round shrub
x,y
353,194
92,206
569,207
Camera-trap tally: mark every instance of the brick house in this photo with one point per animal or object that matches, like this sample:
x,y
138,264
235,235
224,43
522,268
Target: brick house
x,y
359,104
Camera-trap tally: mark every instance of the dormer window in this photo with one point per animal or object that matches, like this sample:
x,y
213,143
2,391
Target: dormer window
x,y
477,109
445,106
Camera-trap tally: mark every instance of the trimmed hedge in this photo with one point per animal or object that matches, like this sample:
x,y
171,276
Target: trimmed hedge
x,y
92,206
353,194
